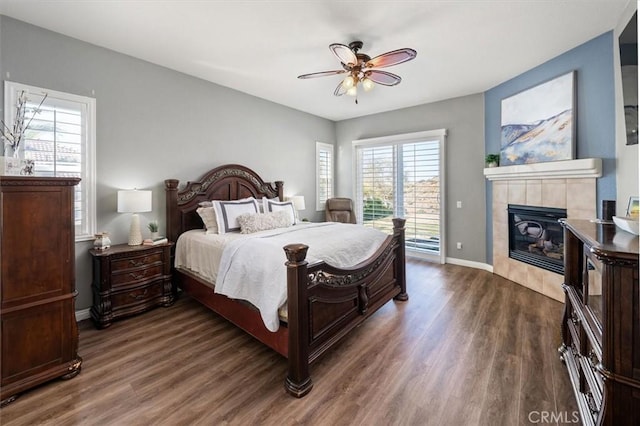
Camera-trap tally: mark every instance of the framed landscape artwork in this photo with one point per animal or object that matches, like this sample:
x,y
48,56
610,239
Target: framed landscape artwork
x,y
538,124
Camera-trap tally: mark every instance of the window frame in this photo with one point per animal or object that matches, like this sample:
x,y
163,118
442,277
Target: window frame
x,y
11,91
398,140
320,147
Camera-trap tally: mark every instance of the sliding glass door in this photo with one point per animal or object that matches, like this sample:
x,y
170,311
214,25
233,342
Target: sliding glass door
x,y
401,176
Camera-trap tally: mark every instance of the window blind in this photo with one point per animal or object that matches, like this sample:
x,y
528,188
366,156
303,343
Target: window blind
x,y
401,180
60,140
324,174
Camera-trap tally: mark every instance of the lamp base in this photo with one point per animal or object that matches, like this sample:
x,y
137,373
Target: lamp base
x,y
135,235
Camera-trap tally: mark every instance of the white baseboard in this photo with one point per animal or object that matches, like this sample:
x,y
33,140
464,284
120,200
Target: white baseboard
x,y
83,314
470,264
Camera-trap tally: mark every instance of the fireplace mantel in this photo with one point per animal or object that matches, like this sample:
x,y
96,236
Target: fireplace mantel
x,y
567,169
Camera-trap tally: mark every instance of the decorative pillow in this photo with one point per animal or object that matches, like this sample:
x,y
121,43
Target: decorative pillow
x,y
250,223
208,216
227,213
272,206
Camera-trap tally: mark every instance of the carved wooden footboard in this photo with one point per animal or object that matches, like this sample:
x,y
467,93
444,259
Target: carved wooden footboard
x,y
325,303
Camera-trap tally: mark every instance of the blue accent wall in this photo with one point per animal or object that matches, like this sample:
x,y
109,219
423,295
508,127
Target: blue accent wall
x,y
595,105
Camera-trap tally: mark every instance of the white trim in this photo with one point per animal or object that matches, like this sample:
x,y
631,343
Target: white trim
x,y
83,314
402,138
470,264
566,169
11,90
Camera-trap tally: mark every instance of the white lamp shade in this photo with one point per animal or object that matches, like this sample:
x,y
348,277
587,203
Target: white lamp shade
x,y
298,202
134,201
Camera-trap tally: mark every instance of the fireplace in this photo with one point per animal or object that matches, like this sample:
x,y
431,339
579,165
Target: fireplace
x,y
536,237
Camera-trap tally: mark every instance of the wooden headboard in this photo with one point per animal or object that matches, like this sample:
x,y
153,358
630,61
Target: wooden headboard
x,y
228,182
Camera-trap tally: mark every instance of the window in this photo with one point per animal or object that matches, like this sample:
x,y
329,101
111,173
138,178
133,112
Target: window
x,y
61,140
324,174
401,176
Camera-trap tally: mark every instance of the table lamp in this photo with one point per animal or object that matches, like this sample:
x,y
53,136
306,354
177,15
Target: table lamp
x,y
298,203
134,201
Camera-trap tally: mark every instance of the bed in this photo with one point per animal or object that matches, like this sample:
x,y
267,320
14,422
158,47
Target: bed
x,y
323,302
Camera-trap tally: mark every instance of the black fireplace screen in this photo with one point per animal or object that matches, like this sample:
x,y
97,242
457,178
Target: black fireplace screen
x,y
536,236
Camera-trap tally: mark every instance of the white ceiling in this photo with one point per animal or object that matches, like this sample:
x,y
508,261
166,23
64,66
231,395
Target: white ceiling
x,y
259,47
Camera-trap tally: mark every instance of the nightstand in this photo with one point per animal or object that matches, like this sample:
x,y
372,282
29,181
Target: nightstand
x,y
128,280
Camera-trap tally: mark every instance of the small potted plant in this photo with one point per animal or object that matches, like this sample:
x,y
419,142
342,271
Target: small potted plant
x,y
153,227
492,160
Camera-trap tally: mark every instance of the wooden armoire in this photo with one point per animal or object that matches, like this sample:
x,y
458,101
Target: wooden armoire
x,y
37,282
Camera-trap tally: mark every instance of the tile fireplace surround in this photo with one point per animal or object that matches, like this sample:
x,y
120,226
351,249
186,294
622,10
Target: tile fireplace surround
x,y
567,184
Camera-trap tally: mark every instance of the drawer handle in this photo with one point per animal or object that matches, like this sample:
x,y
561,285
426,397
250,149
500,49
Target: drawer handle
x,y
134,262
137,276
140,296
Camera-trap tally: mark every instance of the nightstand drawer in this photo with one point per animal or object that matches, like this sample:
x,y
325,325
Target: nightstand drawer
x,y
135,262
134,276
128,280
135,297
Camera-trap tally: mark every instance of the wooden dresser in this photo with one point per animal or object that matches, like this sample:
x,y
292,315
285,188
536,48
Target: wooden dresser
x,y
601,322
37,289
128,280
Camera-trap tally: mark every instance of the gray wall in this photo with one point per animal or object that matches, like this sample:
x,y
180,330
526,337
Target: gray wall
x,y
154,123
464,120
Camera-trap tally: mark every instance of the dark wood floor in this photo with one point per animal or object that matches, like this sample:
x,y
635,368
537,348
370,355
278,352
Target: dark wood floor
x,y
468,348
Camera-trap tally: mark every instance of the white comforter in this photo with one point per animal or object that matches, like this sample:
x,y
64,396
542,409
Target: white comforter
x,y
252,268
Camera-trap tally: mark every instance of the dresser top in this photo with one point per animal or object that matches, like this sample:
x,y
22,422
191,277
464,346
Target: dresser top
x,y
605,238
38,181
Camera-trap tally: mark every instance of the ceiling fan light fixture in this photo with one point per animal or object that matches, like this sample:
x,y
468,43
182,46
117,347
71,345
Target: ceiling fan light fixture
x,y
352,91
367,84
349,82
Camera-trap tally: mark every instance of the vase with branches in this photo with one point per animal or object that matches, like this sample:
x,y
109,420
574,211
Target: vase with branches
x,y
14,134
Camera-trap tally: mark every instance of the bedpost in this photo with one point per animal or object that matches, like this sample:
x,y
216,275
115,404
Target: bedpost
x,y
279,186
298,382
171,197
398,232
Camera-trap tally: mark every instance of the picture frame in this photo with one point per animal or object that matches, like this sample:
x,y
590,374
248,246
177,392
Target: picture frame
x,y
633,208
538,124
12,166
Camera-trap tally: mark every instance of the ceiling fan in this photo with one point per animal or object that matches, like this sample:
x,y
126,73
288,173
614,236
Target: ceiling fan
x,y
362,69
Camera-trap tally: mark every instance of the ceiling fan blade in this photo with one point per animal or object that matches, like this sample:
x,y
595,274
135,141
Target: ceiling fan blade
x,y
322,74
392,58
344,53
383,77
340,90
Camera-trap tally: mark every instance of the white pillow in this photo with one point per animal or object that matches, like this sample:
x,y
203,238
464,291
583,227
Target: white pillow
x,y
208,216
272,206
250,222
227,213
261,202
